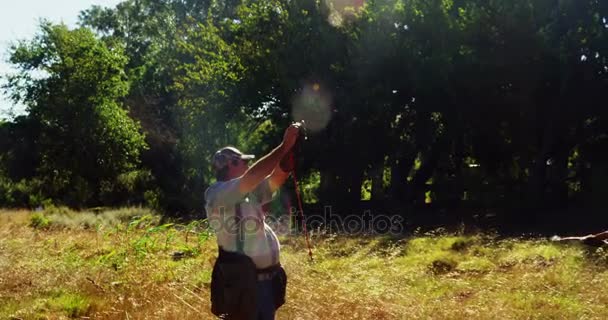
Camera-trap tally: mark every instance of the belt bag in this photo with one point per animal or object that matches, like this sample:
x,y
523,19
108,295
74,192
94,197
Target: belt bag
x,y
279,286
233,286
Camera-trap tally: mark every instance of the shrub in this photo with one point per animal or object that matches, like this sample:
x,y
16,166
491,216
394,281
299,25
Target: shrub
x,y
39,221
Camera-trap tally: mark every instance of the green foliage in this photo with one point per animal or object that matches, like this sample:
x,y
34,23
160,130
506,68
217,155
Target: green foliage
x,y
152,199
21,193
85,120
39,220
310,187
73,305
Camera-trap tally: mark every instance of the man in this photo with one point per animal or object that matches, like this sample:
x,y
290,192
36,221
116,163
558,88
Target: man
x,y
247,281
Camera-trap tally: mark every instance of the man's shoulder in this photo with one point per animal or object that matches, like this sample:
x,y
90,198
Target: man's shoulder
x,y
212,189
219,185
221,188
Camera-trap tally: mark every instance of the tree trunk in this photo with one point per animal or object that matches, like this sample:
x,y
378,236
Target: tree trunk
x,y
538,176
327,186
425,172
377,173
559,176
400,169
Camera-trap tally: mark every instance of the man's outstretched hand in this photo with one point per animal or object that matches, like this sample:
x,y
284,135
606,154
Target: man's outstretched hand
x,y
291,135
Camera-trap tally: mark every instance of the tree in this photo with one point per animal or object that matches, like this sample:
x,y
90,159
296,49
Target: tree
x,y
72,85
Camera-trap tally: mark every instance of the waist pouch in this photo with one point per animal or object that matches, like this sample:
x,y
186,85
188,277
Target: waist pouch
x,y
233,286
279,286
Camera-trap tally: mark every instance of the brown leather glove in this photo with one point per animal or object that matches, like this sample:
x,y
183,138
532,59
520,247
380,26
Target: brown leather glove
x,y
288,162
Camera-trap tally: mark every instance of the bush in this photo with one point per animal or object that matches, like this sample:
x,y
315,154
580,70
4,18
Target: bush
x,y
39,221
6,198
152,198
23,193
131,188
12,194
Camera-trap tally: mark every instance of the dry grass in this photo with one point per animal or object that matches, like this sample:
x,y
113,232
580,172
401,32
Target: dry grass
x,y
126,271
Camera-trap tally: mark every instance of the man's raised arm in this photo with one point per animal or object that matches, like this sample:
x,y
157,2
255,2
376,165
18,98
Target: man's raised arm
x,y
264,167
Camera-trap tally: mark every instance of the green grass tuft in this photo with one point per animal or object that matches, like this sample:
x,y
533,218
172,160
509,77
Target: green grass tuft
x,y
39,220
74,305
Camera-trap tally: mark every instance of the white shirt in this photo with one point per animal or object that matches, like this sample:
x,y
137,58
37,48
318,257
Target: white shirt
x,y
225,204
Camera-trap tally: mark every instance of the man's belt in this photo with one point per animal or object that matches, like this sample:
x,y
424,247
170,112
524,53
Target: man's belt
x,y
267,273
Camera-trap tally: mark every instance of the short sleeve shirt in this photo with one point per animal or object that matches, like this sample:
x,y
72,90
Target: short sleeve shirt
x,y
238,221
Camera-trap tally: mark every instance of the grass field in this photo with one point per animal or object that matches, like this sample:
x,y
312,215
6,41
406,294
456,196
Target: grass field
x,y
124,264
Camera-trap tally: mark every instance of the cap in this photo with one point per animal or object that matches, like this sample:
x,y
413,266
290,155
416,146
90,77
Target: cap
x,y
225,154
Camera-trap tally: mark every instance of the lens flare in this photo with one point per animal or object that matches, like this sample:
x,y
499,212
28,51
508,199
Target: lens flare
x,y
313,105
